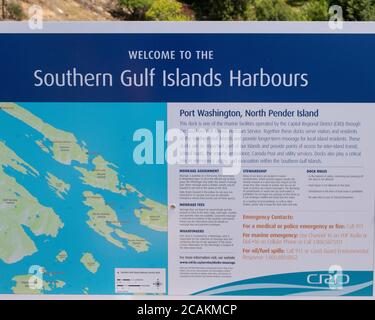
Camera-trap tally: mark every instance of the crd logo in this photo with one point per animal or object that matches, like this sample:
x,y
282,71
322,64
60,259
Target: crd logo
x,y
335,278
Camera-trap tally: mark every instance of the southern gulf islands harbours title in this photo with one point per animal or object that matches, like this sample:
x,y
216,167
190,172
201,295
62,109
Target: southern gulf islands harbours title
x,y
153,77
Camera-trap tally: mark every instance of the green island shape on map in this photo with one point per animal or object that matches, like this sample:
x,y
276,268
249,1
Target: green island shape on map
x,y
42,146
102,176
89,262
57,185
62,256
153,215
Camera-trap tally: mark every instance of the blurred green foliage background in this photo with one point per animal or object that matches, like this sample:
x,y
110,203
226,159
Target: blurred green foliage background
x,y
260,10
181,10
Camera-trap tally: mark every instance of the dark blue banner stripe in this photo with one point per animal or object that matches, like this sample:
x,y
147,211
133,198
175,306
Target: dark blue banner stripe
x,y
340,68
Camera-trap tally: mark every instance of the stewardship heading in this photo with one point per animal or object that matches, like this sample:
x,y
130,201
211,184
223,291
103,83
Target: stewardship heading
x,y
150,77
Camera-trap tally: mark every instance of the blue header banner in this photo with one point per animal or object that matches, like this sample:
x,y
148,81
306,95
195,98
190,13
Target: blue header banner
x,y
187,67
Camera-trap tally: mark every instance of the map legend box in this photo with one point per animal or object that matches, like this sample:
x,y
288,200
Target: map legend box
x,y
140,280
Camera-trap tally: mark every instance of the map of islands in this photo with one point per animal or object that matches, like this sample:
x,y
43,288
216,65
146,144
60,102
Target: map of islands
x,y
25,284
19,210
56,193
64,145
104,221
